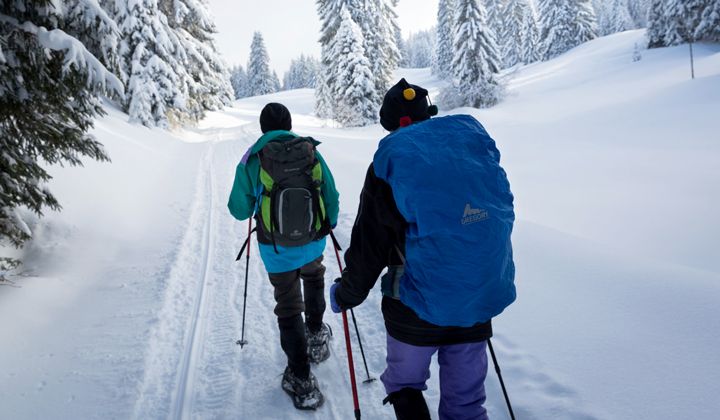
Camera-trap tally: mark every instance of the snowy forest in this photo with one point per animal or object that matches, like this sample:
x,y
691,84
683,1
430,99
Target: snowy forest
x,y
472,43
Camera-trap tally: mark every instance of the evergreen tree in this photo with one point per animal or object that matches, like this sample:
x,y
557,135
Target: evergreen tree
x,y
421,49
565,24
377,21
603,15
207,79
709,26
277,87
638,10
495,16
329,13
476,58
520,34
260,80
238,79
154,62
402,48
383,53
621,20
96,30
613,16
323,88
585,28
556,27
354,88
303,73
682,18
442,65
656,24
50,87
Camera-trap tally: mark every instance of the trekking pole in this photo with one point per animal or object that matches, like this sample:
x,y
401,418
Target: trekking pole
x,y
362,352
241,342
502,383
369,379
348,347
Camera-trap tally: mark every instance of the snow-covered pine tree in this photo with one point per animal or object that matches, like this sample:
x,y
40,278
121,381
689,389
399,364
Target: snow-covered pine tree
x,y
329,13
620,17
377,21
277,87
207,77
556,27
154,62
656,24
530,39
420,49
238,79
402,50
520,34
42,66
585,22
260,80
303,73
638,10
442,65
494,10
96,30
603,15
709,27
380,46
354,93
565,24
682,18
476,58
323,88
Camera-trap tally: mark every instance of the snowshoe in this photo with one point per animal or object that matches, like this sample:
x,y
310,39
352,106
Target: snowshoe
x,y
319,343
305,393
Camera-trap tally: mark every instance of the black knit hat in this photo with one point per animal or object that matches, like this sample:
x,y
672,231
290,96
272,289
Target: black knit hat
x,y
275,116
405,104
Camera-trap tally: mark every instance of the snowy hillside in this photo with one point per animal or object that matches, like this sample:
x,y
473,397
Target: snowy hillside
x,y
131,301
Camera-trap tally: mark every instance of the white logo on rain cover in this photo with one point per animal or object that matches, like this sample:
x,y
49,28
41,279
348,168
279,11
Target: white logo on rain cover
x,y
472,215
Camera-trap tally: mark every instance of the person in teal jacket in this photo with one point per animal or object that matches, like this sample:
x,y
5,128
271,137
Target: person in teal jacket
x,y
302,341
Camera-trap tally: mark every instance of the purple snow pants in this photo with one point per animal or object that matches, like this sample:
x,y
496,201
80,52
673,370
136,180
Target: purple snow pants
x,y
463,368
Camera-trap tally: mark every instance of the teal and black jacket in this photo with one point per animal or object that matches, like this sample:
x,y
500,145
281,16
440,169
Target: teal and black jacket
x,y
246,196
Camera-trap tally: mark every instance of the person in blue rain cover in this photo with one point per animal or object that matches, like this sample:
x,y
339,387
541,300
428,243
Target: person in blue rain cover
x,y
437,211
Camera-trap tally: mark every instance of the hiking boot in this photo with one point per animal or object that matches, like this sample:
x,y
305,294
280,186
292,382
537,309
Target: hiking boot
x,y
319,343
304,392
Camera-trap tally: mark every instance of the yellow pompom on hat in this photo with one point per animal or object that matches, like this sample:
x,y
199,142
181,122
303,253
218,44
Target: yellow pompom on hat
x,y
409,94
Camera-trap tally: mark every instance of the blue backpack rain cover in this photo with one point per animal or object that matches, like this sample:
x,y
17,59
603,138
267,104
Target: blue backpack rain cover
x,y
447,183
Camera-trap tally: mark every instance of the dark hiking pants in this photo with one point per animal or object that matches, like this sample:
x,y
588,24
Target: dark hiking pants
x,y
291,302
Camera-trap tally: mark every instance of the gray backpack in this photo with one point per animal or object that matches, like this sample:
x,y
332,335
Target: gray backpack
x,y
292,210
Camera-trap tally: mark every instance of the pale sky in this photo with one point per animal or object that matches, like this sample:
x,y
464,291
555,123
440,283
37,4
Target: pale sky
x,y
291,27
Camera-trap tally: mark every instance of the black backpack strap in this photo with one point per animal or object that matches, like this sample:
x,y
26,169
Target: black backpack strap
x,y
273,215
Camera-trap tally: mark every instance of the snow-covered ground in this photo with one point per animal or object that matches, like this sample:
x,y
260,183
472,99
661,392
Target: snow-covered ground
x,y
131,300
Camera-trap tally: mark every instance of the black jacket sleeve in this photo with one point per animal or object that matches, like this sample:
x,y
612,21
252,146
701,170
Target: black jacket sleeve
x,y
379,229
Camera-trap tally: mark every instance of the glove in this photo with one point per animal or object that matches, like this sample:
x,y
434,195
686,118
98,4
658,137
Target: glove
x,y
333,301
